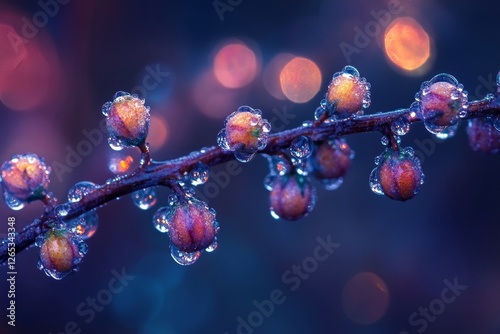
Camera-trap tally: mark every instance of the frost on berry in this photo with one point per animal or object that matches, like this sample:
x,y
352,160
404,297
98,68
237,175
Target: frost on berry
x,y
330,162
398,174
441,102
292,196
127,120
24,178
61,252
483,136
245,132
191,226
347,93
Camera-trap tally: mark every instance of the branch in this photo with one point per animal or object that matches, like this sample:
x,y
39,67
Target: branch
x,y
166,173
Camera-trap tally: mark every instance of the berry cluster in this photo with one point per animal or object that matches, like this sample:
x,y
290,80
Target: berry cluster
x,y
316,150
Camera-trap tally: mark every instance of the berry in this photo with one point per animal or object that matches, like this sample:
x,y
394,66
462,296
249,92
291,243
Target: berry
x,y
61,252
245,132
330,162
398,174
292,197
24,178
127,120
347,93
483,136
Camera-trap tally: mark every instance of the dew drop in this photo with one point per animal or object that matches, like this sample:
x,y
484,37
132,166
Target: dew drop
x,y
375,185
266,126
85,225
400,127
199,174
307,123
496,122
145,198
222,140
115,144
351,70
319,113
161,218
243,156
12,202
332,184
106,107
384,140
446,132
269,181
300,148
184,258
323,103
62,210
213,246
79,190
274,214
121,96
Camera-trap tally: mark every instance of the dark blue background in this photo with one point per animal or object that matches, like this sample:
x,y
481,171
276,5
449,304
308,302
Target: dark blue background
x,y
451,229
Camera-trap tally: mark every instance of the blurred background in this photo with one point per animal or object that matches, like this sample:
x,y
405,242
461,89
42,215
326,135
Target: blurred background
x,y
197,61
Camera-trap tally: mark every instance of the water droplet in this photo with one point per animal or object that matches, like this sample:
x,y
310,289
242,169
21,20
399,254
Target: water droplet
x,y
184,258
323,103
307,123
12,202
62,210
400,126
269,181
160,219
145,198
199,174
173,198
377,160
274,214
213,246
266,126
79,190
115,144
222,140
121,96
85,225
444,133
106,107
496,122
319,113
300,148
332,184
375,185
243,156
351,70
409,151
384,140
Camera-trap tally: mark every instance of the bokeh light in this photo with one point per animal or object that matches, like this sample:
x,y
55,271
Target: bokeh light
x,y
300,80
235,65
120,163
407,44
365,298
158,132
271,75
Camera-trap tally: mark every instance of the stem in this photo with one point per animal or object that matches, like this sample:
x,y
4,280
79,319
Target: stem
x,y
153,173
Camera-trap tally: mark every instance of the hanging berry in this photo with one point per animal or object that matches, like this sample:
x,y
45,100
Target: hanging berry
x,y
398,174
292,196
61,252
330,162
24,178
245,132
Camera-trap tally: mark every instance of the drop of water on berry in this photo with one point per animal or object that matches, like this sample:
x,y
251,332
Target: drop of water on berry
x,y
12,202
145,198
351,70
160,219
213,246
79,190
106,107
184,258
243,156
269,181
222,140
319,113
300,148
332,184
115,144
375,185
384,140
120,96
